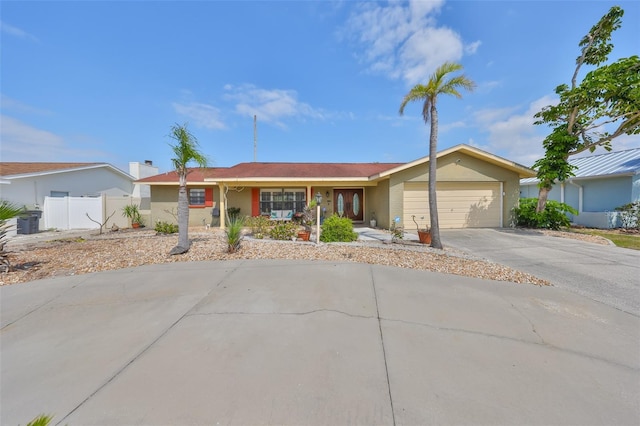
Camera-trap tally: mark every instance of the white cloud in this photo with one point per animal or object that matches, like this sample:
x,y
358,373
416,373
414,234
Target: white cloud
x,y
513,134
9,104
403,40
425,50
488,86
16,32
22,142
621,143
472,48
444,128
485,117
271,106
203,115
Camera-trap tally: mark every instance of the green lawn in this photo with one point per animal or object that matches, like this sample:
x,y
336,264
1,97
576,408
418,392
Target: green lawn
x,y
630,241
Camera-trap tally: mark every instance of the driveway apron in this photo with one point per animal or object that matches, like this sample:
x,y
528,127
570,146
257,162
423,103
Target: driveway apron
x,y
604,273
304,342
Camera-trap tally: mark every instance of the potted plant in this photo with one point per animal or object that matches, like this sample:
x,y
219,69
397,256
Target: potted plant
x,y
373,221
424,234
131,211
307,221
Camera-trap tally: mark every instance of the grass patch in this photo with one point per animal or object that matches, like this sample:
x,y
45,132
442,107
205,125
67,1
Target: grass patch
x,y
620,239
68,240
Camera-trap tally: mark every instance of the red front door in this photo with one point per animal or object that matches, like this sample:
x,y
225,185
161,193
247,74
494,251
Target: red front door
x,y
348,203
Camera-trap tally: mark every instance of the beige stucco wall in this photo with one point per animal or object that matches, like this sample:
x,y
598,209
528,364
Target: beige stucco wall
x,y
164,201
240,198
457,167
377,200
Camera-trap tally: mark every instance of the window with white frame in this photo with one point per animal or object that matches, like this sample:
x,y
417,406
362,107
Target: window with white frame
x,y
282,199
196,197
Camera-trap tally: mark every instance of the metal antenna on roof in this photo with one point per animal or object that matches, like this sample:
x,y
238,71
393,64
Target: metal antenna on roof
x,y
255,138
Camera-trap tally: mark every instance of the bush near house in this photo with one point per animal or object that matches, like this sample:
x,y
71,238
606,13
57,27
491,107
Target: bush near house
x,y
284,231
259,225
165,227
338,229
552,217
233,212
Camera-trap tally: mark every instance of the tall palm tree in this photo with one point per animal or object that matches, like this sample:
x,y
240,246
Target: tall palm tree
x,y
185,151
439,83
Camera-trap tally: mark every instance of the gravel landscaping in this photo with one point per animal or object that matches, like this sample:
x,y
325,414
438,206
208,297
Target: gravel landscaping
x,y
74,255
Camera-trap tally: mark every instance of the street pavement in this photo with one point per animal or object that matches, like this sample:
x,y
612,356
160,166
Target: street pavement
x,y
604,273
303,342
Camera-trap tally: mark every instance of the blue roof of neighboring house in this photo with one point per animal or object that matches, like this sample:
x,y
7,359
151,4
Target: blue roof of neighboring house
x,y
608,164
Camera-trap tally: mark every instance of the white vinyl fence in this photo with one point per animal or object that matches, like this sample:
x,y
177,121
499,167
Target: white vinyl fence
x,y
71,212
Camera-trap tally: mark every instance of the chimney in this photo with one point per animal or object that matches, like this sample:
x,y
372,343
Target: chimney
x,y
148,162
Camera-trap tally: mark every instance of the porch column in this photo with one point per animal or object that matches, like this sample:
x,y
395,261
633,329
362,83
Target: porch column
x,y
223,208
309,194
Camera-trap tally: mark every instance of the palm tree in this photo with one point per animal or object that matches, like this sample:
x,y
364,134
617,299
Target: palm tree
x,y
439,83
185,151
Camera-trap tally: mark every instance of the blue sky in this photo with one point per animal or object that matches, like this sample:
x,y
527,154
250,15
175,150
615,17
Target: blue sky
x,y
105,81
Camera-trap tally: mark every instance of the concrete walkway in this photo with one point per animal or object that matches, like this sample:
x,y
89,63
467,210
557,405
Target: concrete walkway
x,y
282,342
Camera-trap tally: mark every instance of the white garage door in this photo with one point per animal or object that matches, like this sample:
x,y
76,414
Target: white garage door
x,y
460,204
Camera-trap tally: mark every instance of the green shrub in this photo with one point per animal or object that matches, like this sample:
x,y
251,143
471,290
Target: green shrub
x,y
284,231
338,229
233,212
554,215
234,234
259,225
165,227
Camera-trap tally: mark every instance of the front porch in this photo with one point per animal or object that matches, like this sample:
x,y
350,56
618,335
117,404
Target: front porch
x,y
288,203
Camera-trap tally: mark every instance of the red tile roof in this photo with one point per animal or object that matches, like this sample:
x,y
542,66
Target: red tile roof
x,y
17,168
305,170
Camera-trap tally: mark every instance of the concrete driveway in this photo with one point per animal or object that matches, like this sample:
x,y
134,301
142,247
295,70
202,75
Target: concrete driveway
x,y
607,274
283,342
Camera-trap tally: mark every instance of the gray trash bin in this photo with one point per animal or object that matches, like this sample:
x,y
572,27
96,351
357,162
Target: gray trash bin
x,y
24,226
29,223
35,220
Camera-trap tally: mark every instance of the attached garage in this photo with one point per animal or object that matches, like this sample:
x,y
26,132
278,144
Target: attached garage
x,y
460,204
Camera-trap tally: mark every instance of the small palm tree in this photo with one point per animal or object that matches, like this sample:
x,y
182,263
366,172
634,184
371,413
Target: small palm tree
x,y
185,151
439,83
8,211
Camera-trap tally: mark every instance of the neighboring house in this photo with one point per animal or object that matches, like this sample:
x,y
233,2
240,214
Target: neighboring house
x,y
601,183
475,189
27,184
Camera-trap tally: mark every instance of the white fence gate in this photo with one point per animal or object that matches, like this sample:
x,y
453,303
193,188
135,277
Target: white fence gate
x,y
71,212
